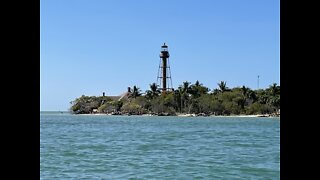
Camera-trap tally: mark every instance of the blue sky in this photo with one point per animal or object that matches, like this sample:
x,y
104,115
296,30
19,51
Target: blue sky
x,y
92,46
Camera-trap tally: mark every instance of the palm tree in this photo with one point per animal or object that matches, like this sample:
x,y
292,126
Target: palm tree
x,y
252,95
274,89
245,91
274,96
135,92
245,96
184,91
186,87
198,89
262,96
179,93
178,99
154,89
223,86
153,92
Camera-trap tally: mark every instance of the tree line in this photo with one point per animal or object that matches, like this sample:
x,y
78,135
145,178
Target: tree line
x,y
186,99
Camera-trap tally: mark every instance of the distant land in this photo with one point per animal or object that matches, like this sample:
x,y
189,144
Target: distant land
x,y
55,112
188,99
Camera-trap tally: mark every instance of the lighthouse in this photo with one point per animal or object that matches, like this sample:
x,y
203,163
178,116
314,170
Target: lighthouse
x,y
164,72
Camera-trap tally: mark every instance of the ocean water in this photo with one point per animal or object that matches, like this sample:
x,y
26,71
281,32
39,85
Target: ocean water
x,y
137,147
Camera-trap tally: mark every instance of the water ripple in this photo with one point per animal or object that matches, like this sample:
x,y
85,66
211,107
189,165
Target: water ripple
x,y
120,147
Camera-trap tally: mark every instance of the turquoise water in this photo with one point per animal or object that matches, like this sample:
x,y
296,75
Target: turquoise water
x,y
135,147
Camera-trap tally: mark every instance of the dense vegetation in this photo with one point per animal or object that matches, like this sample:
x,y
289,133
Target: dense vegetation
x,y
188,98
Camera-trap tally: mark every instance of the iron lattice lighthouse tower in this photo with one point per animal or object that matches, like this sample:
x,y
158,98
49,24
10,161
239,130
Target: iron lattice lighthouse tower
x,y
164,72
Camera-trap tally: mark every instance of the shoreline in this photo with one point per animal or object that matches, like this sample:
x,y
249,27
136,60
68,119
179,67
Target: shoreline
x,y
183,115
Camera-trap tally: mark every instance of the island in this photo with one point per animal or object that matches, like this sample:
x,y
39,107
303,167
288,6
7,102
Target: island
x,y
187,100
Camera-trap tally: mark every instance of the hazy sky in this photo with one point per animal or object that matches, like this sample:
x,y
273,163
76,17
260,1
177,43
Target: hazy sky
x,y
94,46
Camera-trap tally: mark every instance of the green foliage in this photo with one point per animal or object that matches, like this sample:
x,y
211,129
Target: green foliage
x,y
223,87
258,108
153,92
132,108
110,106
187,98
205,103
136,92
86,104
